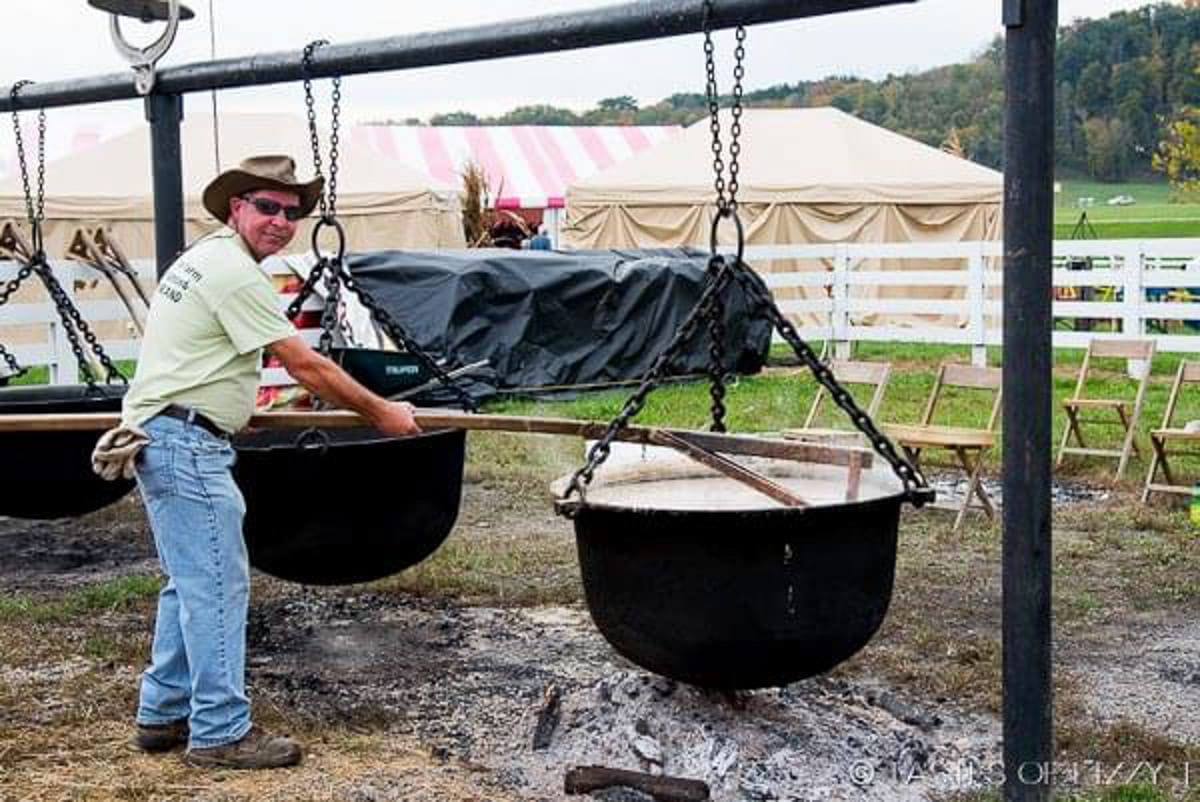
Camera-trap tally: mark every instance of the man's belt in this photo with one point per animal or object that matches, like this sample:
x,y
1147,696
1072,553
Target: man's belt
x,y
194,417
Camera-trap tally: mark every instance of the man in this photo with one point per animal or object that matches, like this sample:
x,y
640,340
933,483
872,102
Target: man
x,y
213,314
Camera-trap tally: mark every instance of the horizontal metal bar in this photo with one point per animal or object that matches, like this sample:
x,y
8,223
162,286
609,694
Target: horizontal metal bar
x,y
646,19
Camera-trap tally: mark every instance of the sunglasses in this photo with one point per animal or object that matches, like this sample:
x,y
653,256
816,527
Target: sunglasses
x,y
270,208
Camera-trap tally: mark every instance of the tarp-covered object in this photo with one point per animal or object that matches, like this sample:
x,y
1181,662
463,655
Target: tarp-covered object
x,y
543,318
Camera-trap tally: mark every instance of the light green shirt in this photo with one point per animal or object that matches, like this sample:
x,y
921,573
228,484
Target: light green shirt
x,y
210,318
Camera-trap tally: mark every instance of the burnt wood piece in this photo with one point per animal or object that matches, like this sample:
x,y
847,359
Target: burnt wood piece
x,y
729,468
548,718
586,779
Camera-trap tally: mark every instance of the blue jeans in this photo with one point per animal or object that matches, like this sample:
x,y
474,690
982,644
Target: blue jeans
x,y
198,662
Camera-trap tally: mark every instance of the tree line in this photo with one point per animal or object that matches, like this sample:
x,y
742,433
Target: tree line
x,y
1123,81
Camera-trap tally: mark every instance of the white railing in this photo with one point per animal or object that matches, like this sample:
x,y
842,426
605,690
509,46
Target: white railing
x,y
1113,289
1129,287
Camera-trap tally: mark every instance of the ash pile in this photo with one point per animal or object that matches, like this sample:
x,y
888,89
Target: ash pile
x,y
530,694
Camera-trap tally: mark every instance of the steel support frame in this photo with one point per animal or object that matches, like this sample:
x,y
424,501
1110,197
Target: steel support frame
x,y
1027,385
1031,26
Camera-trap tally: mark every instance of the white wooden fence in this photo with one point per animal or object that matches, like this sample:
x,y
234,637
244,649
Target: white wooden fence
x,y
1135,286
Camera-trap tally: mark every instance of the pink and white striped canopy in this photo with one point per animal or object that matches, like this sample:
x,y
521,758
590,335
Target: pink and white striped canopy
x,y
528,166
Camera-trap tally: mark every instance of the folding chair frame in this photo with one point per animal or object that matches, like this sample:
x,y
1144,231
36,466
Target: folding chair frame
x,y
876,374
1128,420
1161,438
968,445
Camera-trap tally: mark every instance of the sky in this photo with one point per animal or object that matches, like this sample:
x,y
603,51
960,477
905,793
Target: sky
x,y
871,43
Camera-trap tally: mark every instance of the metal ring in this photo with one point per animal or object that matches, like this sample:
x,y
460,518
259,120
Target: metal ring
x,y
36,242
741,232
313,439
341,235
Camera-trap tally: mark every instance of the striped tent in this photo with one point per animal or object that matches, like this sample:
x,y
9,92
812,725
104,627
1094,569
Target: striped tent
x,y
528,166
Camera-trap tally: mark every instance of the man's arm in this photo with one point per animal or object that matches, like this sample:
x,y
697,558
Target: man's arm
x,y
323,377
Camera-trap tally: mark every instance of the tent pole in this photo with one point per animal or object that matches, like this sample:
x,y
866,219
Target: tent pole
x,y
165,112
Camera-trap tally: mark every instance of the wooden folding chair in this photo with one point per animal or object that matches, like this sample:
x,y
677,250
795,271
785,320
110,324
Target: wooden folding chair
x,y
1126,417
967,444
872,374
1169,433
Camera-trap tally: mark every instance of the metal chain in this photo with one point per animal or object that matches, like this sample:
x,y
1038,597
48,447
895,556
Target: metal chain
x,y
725,205
9,288
330,314
400,336
14,366
716,361
916,488
337,275
74,325
328,199
35,211
600,450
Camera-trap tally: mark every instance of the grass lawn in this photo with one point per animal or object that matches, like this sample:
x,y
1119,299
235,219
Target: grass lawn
x,y
779,398
1151,215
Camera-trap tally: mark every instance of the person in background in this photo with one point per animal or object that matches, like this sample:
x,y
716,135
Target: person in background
x,y
211,318
540,241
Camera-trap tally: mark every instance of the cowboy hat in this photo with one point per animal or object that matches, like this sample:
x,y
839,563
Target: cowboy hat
x,y
260,172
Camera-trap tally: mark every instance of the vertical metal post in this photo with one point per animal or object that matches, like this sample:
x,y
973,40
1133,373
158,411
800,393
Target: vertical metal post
x,y
165,112
1028,360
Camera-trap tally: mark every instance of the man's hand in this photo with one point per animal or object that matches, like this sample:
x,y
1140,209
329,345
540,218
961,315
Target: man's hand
x,y
397,419
330,382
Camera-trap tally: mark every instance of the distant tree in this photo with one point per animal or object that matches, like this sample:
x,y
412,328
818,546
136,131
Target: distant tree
x,y
1109,148
622,103
541,114
1178,155
454,118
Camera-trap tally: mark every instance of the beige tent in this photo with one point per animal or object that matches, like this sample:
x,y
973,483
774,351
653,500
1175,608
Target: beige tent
x,y
807,176
382,203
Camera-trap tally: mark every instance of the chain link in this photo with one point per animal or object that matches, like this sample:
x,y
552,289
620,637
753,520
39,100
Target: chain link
x,y
726,205
701,312
716,359
73,323
916,488
34,210
328,199
333,269
14,367
710,309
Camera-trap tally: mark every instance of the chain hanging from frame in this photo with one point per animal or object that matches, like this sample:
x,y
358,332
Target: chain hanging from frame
x,y
332,268
709,311
34,261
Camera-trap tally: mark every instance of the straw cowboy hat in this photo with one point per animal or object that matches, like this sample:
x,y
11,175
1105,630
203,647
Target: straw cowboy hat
x,y
260,172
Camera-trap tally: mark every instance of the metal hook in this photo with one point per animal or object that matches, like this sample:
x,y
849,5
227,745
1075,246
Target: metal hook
x,y
143,59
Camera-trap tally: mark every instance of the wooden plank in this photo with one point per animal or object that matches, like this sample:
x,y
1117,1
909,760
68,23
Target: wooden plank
x,y
731,469
1191,370
939,436
848,372
431,419
1125,349
971,377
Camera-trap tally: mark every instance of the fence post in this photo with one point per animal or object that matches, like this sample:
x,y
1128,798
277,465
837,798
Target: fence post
x,y
63,369
1133,324
976,291
839,317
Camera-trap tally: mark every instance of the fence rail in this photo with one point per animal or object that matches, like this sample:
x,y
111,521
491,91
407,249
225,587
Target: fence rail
x,y
1115,289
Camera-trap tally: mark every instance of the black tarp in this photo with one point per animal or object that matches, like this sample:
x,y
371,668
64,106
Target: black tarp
x,y
553,319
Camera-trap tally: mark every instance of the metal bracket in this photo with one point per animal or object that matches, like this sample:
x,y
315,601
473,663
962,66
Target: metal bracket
x,y
1014,13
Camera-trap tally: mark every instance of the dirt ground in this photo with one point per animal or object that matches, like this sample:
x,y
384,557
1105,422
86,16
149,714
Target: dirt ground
x,y
436,686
